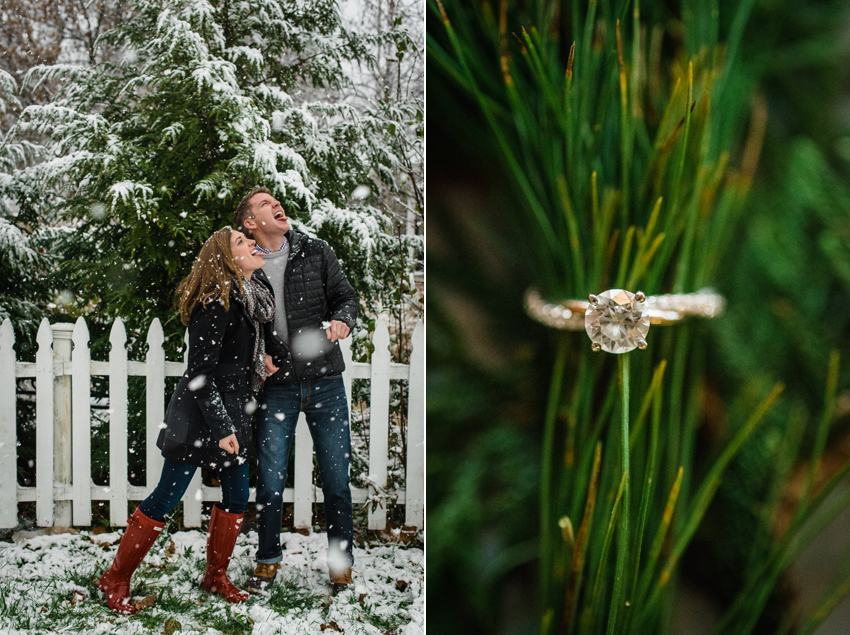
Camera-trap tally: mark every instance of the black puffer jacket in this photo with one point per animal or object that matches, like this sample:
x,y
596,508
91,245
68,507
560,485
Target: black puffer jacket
x,y
315,290
209,401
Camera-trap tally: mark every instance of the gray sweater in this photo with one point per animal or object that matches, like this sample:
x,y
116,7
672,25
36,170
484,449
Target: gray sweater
x,y
275,269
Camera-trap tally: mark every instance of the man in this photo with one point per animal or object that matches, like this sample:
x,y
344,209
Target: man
x,y
315,307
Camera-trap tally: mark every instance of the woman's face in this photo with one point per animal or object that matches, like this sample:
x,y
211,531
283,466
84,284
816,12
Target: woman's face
x,y
245,253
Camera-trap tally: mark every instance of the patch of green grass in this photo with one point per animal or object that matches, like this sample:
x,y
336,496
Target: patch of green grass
x,y
388,623
9,607
60,609
232,622
175,603
154,618
86,576
143,586
287,596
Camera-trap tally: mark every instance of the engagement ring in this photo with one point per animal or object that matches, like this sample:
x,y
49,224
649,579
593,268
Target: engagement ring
x,y
617,320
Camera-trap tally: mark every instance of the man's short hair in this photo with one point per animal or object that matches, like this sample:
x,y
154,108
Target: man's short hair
x,y
243,211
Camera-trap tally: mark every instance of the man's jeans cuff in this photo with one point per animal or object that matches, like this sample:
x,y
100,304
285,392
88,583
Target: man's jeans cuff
x,y
270,560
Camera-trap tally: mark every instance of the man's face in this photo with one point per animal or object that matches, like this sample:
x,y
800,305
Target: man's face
x,y
269,217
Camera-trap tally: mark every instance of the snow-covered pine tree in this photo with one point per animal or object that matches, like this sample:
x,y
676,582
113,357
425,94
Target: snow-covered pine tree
x,y
393,90
150,154
24,265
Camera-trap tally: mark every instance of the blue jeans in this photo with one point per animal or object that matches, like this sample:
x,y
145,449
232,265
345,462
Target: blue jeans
x,y
175,479
326,409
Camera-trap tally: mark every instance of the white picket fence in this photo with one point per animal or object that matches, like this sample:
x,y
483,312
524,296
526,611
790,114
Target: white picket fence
x,y
64,489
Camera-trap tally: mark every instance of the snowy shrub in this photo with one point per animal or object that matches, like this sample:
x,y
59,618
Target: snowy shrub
x,y
149,152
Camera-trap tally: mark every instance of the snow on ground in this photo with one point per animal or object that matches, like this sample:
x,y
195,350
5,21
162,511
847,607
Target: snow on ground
x,y
47,585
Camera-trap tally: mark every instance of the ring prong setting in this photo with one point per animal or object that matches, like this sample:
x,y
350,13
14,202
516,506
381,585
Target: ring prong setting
x,y
616,321
640,296
595,347
641,345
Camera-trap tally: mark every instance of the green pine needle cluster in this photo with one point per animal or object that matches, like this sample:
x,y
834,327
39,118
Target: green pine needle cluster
x,y
620,156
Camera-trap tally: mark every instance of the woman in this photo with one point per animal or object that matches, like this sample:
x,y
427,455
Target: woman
x,y
208,421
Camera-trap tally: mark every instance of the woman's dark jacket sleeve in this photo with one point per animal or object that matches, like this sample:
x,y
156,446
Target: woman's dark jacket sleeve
x,y
206,334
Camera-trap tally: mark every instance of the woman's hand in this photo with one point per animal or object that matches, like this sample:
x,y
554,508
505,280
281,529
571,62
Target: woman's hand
x,y
271,369
229,444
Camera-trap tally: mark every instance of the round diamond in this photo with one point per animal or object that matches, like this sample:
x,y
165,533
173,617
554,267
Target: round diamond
x,y
617,322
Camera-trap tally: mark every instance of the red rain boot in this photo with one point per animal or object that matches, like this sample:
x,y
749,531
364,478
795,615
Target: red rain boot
x,y
224,528
141,533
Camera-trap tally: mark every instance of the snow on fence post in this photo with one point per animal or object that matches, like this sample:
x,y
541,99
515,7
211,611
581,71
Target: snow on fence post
x,y
193,498
118,369
44,426
154,404
302,512
379,421
8,432
81,434
414,512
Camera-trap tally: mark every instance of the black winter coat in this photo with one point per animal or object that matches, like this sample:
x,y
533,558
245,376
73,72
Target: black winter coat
x,y
210,400
315,290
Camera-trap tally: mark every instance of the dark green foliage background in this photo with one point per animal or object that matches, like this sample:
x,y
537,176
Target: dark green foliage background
x,y
784,273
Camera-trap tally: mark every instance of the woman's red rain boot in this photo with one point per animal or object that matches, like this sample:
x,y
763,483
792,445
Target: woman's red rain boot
x,y
224,528
141,533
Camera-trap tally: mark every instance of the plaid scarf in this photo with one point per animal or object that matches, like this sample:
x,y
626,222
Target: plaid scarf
x,y
260,304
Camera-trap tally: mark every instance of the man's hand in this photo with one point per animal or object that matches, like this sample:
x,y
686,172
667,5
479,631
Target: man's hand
x,y
229,444
271,369
337,330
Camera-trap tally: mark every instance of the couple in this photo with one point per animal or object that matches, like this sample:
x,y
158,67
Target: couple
x,y
270,333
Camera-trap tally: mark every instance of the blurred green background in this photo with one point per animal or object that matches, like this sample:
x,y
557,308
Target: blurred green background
x,y
786,276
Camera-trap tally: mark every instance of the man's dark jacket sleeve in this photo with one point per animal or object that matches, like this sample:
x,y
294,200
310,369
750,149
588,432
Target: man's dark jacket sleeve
x,y
342,297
